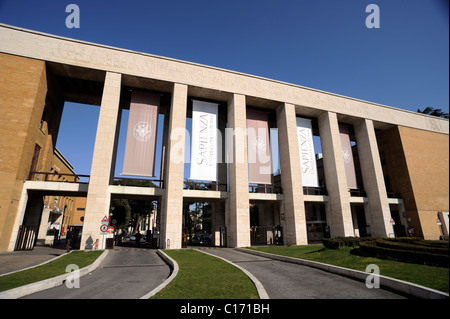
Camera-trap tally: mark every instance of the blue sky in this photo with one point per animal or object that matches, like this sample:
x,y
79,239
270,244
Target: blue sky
x,y
322,44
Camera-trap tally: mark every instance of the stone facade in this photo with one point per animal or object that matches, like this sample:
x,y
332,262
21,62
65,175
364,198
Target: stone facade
x,y
38,72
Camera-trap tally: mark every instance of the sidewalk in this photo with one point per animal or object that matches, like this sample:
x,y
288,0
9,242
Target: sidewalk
x,y
18,260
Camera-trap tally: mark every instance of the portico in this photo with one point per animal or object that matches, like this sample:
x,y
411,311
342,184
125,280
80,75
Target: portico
x,y
105,75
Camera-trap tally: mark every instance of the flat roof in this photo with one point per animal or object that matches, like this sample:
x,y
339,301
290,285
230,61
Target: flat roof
x,y
308,101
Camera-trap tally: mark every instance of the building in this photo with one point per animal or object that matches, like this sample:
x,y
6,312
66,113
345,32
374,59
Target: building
x,y
58,212
400,158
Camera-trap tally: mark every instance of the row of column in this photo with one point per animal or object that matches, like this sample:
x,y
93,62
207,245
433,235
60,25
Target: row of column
x,y
237,204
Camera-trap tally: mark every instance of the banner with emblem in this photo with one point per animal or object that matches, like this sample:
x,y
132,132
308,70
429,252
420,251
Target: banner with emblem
x,y
348,157
204,141
140,144
307,153
258,147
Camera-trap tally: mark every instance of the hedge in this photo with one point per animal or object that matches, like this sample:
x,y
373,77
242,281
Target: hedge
x,y
389,249
421,242
417,246
339,242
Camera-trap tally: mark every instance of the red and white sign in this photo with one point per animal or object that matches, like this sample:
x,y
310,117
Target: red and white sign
x,y
438,222
392,221
110,229
139,158
103,228
348,157
258,147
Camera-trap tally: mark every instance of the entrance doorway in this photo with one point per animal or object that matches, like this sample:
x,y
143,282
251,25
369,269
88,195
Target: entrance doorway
x,y
361,228
204,223
399,229
197,217
28,231
316,222
136,221
361,219
265,228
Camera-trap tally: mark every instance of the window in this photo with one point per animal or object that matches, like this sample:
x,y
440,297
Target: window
x,y
383,159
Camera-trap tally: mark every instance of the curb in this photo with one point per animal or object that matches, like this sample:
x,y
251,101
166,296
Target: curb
x,y
400,286
259,287
174,272
30,267
29,289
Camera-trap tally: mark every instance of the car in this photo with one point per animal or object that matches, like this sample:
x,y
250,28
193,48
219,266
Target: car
x,y
129,237
205,239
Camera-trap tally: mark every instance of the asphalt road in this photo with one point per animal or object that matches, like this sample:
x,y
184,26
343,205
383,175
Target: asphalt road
x,y
283,280
126,273
130,273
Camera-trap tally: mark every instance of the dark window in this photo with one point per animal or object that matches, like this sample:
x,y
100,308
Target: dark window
x,y
34,161
383,158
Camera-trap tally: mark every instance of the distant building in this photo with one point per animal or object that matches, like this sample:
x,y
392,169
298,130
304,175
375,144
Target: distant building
x,y
59,212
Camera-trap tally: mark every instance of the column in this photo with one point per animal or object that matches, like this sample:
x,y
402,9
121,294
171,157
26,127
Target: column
x,y
237,209
339,198
172,201
98,196
291,176
217,222
373,178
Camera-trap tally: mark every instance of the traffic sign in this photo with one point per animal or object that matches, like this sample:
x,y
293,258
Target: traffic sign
x,y
438,222
103,228
110,229
105,220
392,221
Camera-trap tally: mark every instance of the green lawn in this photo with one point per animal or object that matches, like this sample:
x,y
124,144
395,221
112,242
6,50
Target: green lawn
x,y
428,276
49,270
201,276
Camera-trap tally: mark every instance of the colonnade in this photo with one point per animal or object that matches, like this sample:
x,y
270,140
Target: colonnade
x,y
292,201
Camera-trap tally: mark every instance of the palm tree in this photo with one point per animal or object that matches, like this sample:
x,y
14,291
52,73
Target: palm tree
x,y
434,112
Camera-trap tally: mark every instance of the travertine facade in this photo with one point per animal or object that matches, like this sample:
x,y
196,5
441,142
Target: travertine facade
x,y
42,71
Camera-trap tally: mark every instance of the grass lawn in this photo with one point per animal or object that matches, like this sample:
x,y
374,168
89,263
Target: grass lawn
x,y
49,270
201,276
428,276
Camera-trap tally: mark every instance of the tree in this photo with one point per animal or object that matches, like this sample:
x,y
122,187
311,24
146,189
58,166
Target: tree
x,y
139,210
434,112
121,212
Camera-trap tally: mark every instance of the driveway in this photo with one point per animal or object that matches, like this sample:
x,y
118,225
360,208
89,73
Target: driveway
x,y
126,273
283,280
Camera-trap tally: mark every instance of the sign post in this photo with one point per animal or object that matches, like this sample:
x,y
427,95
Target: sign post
x,y
104,228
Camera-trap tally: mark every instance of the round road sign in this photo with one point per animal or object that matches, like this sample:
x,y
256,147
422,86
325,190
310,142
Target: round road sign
x,y
110,229
103,228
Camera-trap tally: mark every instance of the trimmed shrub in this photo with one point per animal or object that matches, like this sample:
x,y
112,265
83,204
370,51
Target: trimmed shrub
x,y
52,232
339,242
417,246
420,253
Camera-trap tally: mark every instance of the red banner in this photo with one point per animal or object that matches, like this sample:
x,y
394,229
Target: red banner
x,y
348,157
141,135
258,148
